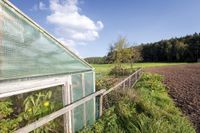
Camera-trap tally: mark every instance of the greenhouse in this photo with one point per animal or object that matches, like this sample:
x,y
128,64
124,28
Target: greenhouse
x,y
39,76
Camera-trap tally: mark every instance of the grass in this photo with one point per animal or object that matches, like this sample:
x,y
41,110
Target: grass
x,y
145,109
105,68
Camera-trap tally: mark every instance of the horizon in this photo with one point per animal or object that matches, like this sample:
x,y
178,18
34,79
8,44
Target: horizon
x,y
82,24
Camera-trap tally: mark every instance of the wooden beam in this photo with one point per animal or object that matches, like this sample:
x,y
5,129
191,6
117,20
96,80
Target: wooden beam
x,y
58,113
14,88
94,89
10,88
84,105
100,105
66,101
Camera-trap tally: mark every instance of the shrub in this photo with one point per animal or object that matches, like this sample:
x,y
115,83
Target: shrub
x,y
121,71
105,83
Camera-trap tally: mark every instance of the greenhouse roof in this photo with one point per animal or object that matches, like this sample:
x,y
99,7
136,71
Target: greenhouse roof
x,y
27,50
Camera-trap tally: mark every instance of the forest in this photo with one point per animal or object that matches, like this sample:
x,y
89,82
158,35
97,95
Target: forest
x,y
183,49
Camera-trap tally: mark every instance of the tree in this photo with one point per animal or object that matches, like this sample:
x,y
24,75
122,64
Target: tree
x,y
110,55
120,53
135,56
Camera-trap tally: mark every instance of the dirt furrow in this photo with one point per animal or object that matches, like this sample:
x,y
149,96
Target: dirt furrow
x,y
183,82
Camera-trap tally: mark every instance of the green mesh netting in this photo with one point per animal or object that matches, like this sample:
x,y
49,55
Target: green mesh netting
x,y
78,119
26,52
83,114
90,113
77,87
89,83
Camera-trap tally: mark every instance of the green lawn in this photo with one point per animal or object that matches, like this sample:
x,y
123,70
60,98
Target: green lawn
x,y
104,68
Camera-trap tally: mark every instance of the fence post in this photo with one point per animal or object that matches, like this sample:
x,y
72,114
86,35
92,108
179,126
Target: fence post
x,y
136,76
101,105
139,71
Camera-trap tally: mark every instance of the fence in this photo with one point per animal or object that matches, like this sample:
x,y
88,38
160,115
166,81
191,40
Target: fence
x,y
104,103
106,99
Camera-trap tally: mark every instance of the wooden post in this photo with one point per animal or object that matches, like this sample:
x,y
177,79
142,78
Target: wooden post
x,y
138,73
136,76
1,36
66,101
124,85
101,105
84,105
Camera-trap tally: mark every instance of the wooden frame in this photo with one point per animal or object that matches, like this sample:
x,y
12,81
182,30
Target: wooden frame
x,y
19,87
66,101
83,95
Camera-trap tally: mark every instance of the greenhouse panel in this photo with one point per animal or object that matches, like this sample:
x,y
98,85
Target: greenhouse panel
x,y
83,85
28,51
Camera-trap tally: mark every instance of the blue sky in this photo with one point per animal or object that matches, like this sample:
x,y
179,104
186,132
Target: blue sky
x,y
90,26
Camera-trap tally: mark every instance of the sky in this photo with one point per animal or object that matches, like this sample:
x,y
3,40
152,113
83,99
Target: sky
x,y
88,27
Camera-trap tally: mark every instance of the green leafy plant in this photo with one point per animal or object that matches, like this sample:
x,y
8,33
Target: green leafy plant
x,y
5,108
39,105
8,122
35,105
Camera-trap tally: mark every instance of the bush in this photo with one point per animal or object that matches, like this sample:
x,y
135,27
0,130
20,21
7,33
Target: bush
x,y
121,71
96,60
105,83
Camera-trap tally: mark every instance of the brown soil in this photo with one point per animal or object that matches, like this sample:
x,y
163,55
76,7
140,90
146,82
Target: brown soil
x,y
183,82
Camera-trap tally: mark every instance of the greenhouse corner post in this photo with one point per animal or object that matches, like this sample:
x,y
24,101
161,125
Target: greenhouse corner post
x,y
66,101
1,35
84,106
94,89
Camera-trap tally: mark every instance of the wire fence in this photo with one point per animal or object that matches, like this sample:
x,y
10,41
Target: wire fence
x,y
108,98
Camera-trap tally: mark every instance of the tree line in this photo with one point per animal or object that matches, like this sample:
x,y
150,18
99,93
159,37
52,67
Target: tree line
x,y
96,60
183,49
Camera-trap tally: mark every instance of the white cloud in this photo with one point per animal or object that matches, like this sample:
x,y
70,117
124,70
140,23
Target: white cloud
x,y
70,24
42,6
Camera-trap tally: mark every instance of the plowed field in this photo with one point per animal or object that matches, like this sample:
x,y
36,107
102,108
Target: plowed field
x,y
183,82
